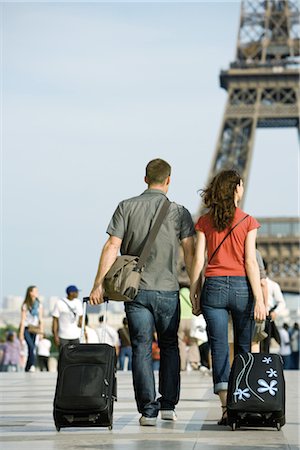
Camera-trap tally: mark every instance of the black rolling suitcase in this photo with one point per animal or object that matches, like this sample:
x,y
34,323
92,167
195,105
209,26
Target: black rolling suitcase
x,y
256,391
86,385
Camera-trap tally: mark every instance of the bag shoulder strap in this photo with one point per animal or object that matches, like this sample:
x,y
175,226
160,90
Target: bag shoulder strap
x,y
71,309
152,235
245,217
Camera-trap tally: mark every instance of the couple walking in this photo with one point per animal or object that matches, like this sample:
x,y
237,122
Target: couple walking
x,y
231,281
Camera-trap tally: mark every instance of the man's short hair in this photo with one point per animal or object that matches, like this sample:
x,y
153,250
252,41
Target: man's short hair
x,y
157,171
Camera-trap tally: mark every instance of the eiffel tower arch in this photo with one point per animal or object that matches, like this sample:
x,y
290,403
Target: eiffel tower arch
x,y
263,92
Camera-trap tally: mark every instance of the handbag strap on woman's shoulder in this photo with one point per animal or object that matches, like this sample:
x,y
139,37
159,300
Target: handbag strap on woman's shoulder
x,y
229,232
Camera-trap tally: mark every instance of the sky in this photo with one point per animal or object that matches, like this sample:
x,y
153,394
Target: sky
x,y
91,92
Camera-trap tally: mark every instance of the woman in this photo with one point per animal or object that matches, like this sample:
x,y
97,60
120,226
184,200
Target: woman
x,y
31,324
232,282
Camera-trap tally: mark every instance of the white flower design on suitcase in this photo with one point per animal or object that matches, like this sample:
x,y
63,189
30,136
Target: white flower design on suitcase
x,y
265,387
271,373
267,359
239,393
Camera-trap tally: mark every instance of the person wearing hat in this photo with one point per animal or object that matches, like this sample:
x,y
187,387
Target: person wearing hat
x,y
67,317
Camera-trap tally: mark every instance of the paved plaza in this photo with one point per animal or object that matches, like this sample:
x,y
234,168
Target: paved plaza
x,y
26,419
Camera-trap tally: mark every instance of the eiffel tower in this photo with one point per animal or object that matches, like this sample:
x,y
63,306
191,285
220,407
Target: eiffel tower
x,y
263,92
262,83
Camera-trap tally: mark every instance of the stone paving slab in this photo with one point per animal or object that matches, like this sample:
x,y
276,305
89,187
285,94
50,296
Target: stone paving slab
x,y
27,423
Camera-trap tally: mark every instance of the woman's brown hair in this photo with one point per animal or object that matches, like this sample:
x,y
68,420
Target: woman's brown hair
x,y
28,300
218,197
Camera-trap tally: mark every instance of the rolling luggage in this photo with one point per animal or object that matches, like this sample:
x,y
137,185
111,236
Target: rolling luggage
x,y
86,385
256,391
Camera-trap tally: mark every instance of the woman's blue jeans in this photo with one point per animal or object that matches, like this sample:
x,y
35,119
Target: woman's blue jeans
x,y
221,296
30,340
157,310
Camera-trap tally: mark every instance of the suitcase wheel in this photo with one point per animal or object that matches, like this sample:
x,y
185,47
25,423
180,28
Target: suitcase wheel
x,y
278,426
110,427
233,426
57,428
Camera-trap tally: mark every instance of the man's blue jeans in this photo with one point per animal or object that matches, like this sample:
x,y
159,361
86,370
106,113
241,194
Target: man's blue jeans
x,y
159,310
221,295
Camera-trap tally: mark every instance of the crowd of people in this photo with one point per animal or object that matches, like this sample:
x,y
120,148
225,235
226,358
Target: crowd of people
x,y
168,327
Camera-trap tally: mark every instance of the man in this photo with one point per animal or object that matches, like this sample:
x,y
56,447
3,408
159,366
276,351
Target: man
x,y
157,302
67,318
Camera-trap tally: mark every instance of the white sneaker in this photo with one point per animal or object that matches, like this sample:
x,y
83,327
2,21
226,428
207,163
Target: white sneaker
x,y
204,370
148,421
32,369
168,414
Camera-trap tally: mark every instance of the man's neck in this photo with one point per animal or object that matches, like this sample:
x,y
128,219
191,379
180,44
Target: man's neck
x,y
159,187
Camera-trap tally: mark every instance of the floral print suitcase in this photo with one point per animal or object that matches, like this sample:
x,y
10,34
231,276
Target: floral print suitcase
x,y
256,391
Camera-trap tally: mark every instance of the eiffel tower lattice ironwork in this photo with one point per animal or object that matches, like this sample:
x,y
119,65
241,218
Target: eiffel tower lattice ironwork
x,y
263,91
262,83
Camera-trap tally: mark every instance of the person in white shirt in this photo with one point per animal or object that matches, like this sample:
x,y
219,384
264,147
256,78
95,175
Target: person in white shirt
x,y
67,318
43,351
90,335
285,346
276,306
107,334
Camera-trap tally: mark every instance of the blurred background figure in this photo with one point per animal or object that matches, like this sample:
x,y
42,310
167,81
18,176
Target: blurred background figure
x,y
155,352
43,351
276,306
11,353
125,346
295,346
67,317
188,347
285,346
198,332
107,334
90,335
31,324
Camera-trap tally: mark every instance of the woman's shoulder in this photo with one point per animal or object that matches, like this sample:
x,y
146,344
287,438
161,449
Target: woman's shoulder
x,y
250,221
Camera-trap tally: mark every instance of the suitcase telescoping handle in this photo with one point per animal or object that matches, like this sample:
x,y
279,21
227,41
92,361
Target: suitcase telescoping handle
x,y
85,301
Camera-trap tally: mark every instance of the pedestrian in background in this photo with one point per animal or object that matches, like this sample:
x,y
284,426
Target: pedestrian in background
x,y
188,345
125,346
285,346
157,302
107,334
90,335
295,346
67,318
43,351
31,324
232,281
11,353
155,352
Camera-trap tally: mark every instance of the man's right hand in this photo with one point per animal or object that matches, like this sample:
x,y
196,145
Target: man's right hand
x,y
96,296
56,341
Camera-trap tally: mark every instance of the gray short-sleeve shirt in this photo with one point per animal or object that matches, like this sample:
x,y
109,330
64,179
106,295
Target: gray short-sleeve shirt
x,y
132,221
